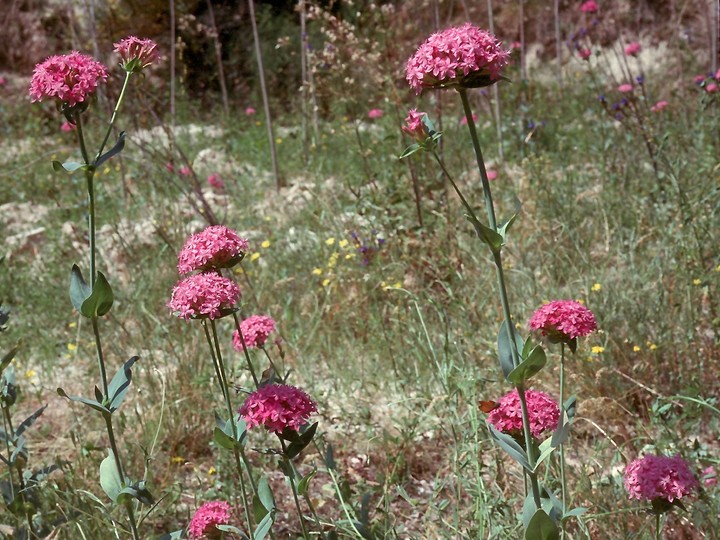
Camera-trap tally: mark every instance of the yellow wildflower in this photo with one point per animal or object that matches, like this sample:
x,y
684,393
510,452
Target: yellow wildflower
x,y
596,287
211,471
106,170
332,261
636,349
72,324
580,301
349,256
265,244
30,373
330,241
597,349
71,347
317,271
651,345
177,460
255,256
697,281
326,282
343,243
278,140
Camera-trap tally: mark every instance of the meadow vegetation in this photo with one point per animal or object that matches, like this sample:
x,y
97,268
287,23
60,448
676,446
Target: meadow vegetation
x,y
385,301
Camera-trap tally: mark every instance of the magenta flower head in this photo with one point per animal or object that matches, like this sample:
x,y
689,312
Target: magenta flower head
x,y
202,525
633,48
277,407
374,114
459,57
659,479
255,331
589,7
563,321
711,88
625,88
69,78
543,411
136,53
584,54
659,106
414,125
202,296
215,247
216,181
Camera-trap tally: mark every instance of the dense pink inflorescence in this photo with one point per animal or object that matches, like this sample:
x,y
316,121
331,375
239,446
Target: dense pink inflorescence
x,y
204,295
137,53
374,114
625,88
215,247
589,7
69,78
659,477
276,407
563,320
711,88
250,111
584,54
462,56
202,524
633,48
216,181
414,125
543,412
255,331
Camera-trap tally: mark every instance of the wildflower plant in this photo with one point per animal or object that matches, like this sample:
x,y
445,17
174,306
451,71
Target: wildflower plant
x,y
463,58
70,81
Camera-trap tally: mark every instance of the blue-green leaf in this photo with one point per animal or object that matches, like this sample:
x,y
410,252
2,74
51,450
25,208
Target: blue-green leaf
x,y
410,150
529,367
79,289
69,166
541,527
110,480
120,384
89,402
119,145
505,351
511,447
304,484
176,535
136,491
494,240
100,300
29,421
264,526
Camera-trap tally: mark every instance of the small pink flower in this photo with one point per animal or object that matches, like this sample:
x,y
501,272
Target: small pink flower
x,y
206,295
659,477
699,79
633,48
563,320
250,111
374,114
185,171
202,524
3,81
215,247
625,88
589,7
711,88
543,412
584,54
255,331
277,407
709,477
136,53
170,167
462,56
717,75
414,125
659,106
216,181
67,127
463,120
69,78
491,174
515,46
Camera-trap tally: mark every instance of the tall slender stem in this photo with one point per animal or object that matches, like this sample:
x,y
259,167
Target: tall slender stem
x,y
216,355
490,209
100,356
245,350
291,476
658,526
114,115
563,483
121,473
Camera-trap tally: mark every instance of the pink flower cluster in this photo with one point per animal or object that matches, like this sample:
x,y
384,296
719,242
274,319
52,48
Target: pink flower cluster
x,y
625,88
204,295
136,53
374,114
255,331
659,477
589,7
202,524
215,247
414,125
462,56
543,412
276,407
215,181
633,48
659,106
584,54
69,78
563,320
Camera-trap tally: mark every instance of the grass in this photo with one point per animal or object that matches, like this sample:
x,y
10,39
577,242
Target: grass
x,y
398,351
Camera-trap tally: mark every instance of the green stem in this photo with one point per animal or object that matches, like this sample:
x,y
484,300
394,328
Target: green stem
x,y
490,209
245,350
658,527
291,476
114,115
563,483
100,356
216,355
